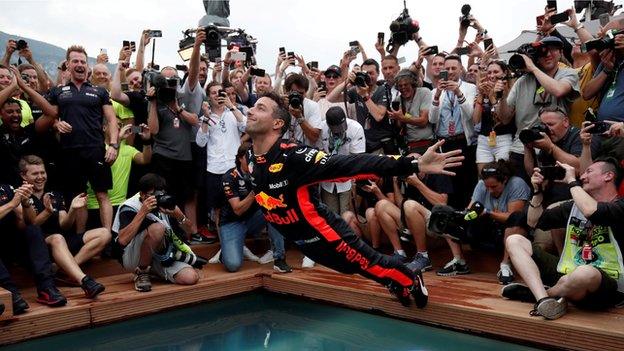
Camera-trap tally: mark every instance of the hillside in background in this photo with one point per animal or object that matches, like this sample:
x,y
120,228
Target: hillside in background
x,y
47,55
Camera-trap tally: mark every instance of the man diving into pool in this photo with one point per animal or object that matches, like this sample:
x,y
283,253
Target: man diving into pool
x,y
283,176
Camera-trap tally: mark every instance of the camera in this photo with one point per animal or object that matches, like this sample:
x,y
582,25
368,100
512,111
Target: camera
x,y
7,193
606,42
164,200
295,100
136,129
166,88
172,255
155,33
402,29
532,134
464,20
396,105
25,77
362,79
533,50
258,72
553,172
21,45
449,222
599,126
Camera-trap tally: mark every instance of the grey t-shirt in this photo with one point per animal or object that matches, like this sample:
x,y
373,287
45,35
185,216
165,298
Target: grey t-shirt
x,y
189,100
527,101
420,102
515,189
172,142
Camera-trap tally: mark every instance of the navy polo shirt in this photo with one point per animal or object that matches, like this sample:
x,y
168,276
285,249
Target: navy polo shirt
x,y
82,109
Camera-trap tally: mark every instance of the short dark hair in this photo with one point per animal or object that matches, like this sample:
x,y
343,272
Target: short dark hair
x,y
453,57
75,48
298,79
152,181
243,149
11,101
391,58
24,66
212,84
611,164
29,160
226,84
371,62
501,170
281,111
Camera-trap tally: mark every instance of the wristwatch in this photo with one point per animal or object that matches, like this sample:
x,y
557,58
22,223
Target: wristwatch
x,y
573,184
232,109
114,146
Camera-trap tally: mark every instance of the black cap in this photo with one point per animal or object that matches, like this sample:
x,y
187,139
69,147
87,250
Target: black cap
x,y
333,68
336,119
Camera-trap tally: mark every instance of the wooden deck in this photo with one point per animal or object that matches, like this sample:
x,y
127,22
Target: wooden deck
x,y
467,303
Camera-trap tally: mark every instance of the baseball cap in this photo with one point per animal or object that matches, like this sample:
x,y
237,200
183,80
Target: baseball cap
x,y
552,41
333,68
336,120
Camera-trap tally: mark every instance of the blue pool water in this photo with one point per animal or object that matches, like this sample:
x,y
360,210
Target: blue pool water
x,y
265,322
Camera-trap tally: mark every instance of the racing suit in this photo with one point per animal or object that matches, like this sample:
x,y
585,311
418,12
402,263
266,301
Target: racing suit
x,y
283,180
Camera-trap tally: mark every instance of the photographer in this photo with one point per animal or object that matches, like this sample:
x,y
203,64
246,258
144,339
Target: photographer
x,y
24,244
38,74
134,96
141,227
589,272
306,121
413,112
451,112
545,84
10,89
70,246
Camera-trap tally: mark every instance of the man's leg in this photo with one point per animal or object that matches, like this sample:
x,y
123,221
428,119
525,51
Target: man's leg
x,y
152,241
520,252
415,221
374,229
232,238
578,284
389,216
186,276
106,209
95,241
63,257
352,221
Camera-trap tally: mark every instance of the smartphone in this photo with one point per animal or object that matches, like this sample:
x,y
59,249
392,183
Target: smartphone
x,y
182,68
551,5
558,18
380,37
401,60
257,72
314,64
291,55
239,56
322,86
553,172
155,33
604,19
540,20
488,43
133,46
444,75
217,61
282,51
463,51
136,129
126,44
432,50
124,87
103,52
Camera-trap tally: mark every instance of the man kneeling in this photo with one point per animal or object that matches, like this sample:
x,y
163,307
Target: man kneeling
x,y
145,231
590,269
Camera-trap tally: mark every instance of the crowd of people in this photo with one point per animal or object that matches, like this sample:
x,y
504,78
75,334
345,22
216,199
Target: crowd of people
x,y
137,163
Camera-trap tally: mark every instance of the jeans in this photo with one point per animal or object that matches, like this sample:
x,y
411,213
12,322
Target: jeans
x,y
232,237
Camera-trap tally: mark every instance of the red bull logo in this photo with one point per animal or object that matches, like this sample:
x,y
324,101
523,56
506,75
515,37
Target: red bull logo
x,y
269,202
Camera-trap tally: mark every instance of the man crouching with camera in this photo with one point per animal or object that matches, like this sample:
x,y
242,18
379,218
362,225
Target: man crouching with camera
x,y
146,225
590,269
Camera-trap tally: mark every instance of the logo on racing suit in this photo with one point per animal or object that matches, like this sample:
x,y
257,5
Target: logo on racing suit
x,y
274,168
269,202
352,255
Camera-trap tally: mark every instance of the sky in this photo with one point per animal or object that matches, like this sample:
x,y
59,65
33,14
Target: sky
x,y
320,30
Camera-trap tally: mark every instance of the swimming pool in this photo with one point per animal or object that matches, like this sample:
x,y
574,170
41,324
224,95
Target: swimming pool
x,y
263,321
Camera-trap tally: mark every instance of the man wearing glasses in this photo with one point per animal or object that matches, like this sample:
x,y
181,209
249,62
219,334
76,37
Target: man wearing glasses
x,y
545,84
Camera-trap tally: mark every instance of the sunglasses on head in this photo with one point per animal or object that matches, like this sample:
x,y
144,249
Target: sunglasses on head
x,y
334,76
489,172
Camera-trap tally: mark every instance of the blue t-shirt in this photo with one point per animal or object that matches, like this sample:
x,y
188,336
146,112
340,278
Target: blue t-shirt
x,y
515,189
612,97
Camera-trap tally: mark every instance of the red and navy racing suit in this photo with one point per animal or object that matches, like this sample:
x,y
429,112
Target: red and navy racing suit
x,y
283,182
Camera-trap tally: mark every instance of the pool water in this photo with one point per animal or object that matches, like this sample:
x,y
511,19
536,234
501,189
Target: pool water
x,y
262,321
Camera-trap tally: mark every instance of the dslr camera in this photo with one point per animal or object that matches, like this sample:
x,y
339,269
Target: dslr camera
x,y
295,100
164,200
533,50
362,79
402,29
599,126
532,134
606,42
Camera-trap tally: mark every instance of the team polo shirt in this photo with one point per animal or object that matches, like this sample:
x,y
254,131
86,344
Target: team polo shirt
x,y
121,111
82,109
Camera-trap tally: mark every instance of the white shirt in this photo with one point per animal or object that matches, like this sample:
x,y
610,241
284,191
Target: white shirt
x,y
222,141
311,113
354,143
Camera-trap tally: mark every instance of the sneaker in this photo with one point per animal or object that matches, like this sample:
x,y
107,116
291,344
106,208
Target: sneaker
x,y
399,257
517,292
249,256
142,281
281,266
505,275
550,307
307,262
266,258
454,267
402,293
419,291
216,258
90,287
19,304
420,263
51,296
201,239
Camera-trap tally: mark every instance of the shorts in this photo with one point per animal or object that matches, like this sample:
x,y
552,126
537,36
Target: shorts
x,y
178,175
79,166
215,198
486,153
132,254
74,241
605,297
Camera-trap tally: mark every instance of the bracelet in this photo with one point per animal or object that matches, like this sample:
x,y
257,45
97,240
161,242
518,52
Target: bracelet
x,y
232,109
535,206
537,192
183,220
578,27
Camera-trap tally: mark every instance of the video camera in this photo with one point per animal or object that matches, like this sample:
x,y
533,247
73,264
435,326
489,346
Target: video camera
x,y
532,134
164,200
166,88
402,29
606,42
449,222
214,36
533,50
464,20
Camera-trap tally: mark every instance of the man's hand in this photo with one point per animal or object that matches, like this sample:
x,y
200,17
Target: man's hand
x,y
124,55
433,162
530,66
102,58
585,135
111,155
570,175
537,180
452,85
145,38
18,77
616,129
125,132
47,203
151,92
62,127
545,143
573,21
175,213
295,112
27,54
22,193
475,50
379,46
11,46
396,114
371,187
607,59
148,205
80,201
200,37
619,41
145,132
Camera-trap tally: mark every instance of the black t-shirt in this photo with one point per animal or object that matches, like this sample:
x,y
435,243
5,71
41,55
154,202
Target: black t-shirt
x,y
52,225
487,123
138,106
35,109
82,109
570,143
437,182
12,147
236,184
373,131
370,199
607,214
